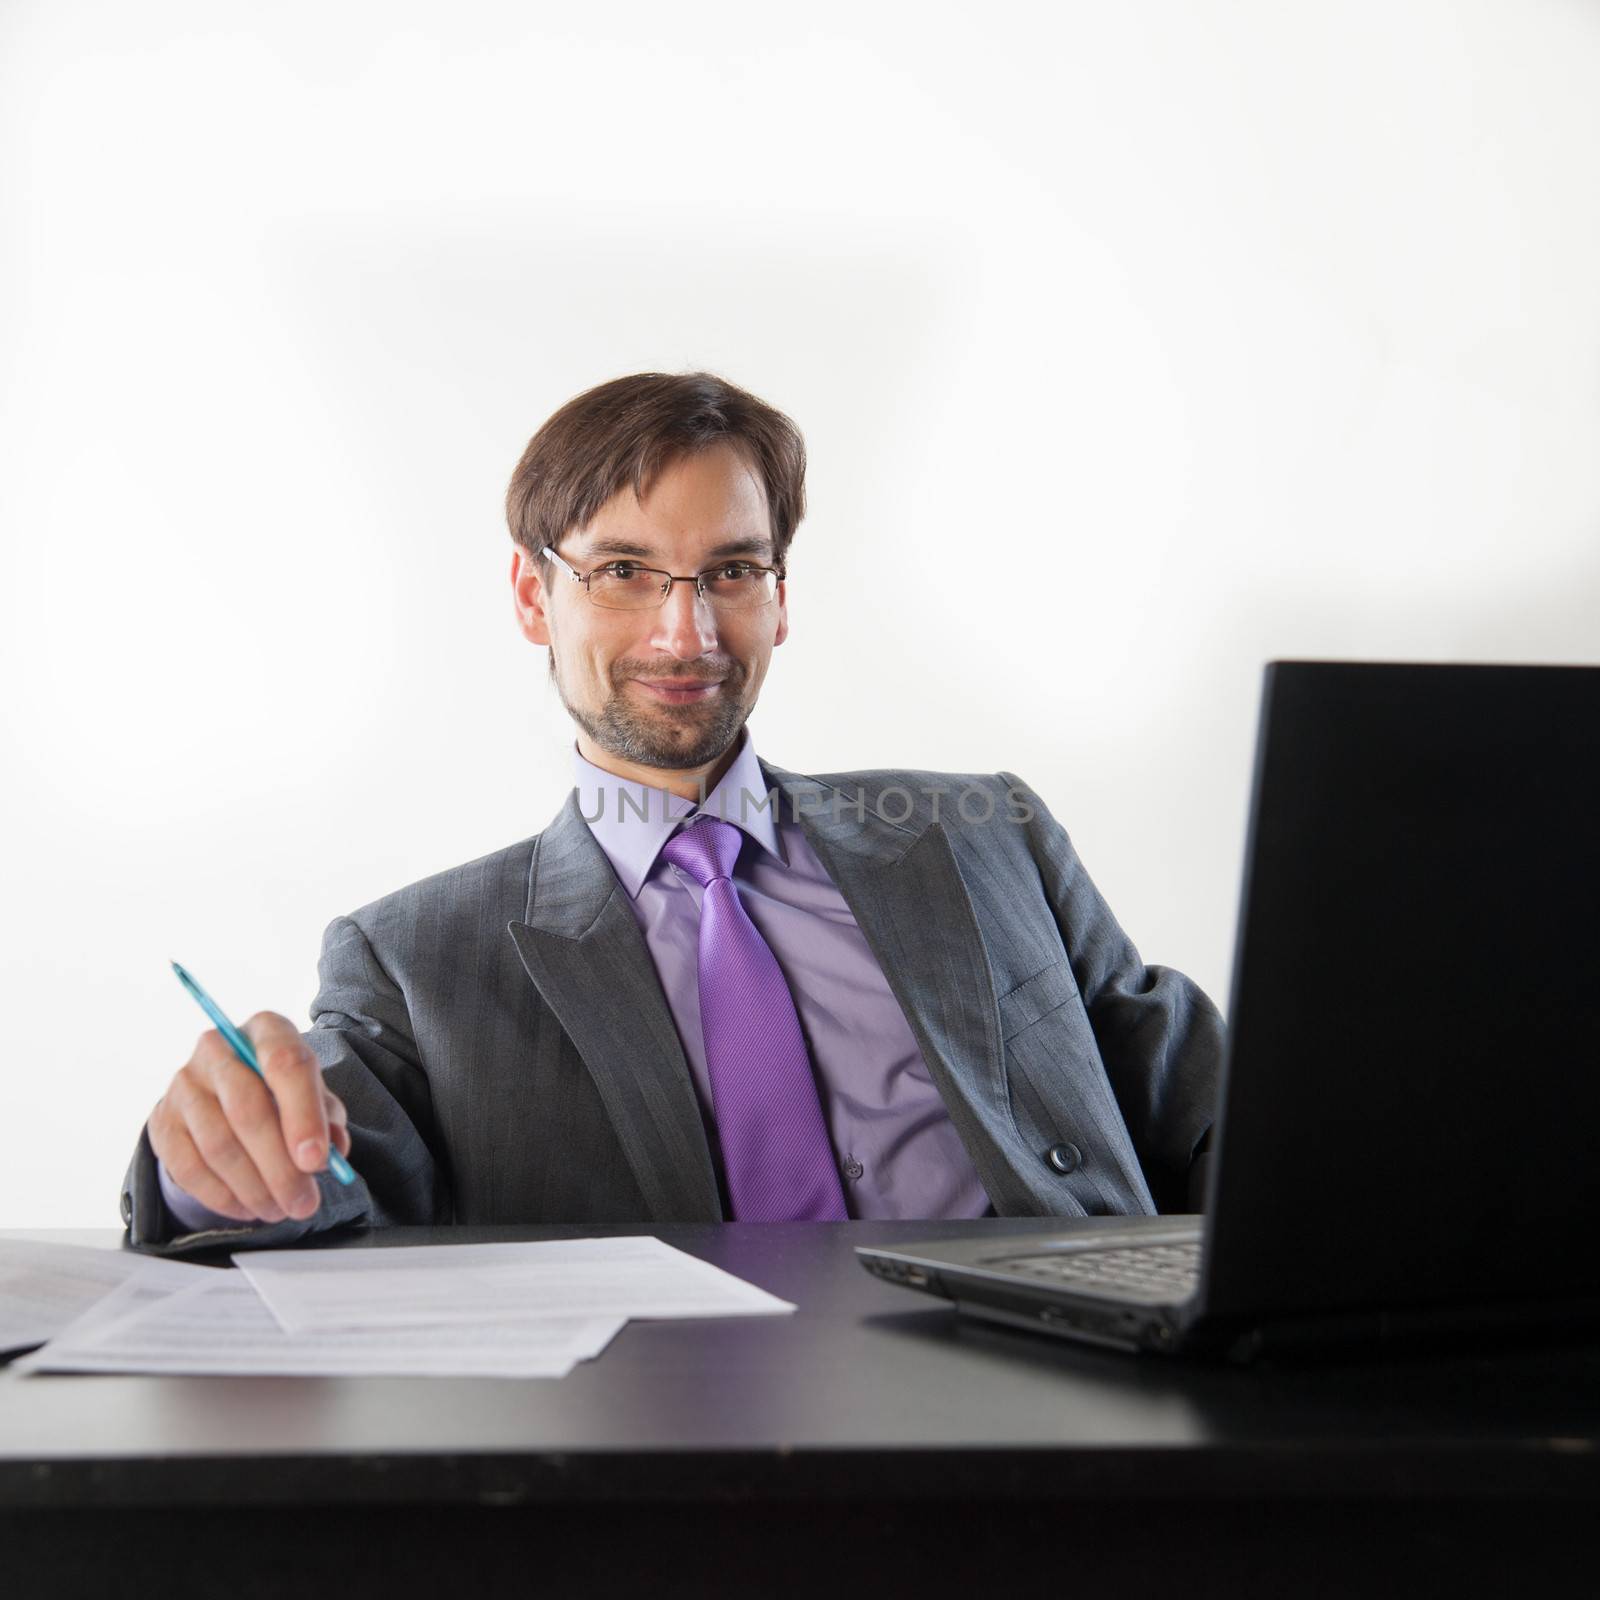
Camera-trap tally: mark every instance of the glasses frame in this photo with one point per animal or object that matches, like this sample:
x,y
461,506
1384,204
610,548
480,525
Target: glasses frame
x,y
698,579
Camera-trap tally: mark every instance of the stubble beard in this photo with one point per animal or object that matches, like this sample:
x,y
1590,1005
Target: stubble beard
x,y
674,738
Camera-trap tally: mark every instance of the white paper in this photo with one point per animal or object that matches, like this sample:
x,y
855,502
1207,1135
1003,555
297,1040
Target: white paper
x,y
222,1326
44,1287
318,1291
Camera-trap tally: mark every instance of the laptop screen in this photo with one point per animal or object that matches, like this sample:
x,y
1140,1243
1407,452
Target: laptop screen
x,y
1411,1108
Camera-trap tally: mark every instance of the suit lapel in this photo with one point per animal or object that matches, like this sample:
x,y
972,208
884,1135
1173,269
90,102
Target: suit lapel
x,y
581,946
907,896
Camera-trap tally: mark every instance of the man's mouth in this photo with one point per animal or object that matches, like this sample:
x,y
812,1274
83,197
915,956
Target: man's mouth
x,y
678,691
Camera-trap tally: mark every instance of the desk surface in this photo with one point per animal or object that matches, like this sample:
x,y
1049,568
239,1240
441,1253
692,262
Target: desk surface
x,y
873,1441
864,1385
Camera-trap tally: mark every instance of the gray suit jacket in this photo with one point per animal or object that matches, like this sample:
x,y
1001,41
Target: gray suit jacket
x,y
502,1043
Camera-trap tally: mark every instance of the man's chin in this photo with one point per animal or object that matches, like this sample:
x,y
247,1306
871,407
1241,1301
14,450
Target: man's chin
x,y
676,755
673,738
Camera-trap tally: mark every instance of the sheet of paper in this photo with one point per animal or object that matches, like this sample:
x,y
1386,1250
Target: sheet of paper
x,y
152,1282
43,1287
317,1291
222,1326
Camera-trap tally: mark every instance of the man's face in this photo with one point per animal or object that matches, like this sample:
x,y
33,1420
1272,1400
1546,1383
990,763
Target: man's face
x,y
668,688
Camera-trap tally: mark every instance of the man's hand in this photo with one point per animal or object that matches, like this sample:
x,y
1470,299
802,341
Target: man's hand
x,y
236,1147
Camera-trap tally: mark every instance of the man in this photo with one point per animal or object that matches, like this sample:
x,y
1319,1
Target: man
x,y
710,988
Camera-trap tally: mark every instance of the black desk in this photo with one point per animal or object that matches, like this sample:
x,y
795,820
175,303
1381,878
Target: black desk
x,y
870,1444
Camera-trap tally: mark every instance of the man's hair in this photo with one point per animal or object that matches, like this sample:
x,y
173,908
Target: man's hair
x,y
625,433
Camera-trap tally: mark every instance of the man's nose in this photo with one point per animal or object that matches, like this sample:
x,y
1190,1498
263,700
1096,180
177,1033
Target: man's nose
x,y
686,626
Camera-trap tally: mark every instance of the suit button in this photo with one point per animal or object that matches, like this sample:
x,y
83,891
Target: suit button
x,y
1064,1158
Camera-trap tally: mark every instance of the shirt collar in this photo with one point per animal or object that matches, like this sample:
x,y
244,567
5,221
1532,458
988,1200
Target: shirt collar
x,y
631,821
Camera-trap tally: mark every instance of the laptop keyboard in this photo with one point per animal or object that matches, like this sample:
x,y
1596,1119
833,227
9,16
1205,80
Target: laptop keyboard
x,y
1145,1272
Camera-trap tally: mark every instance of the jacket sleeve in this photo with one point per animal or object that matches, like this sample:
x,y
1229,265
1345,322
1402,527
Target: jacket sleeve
x,y
361,1033
1160,1038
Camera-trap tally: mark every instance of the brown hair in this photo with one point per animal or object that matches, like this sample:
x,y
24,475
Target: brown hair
x,y
624,433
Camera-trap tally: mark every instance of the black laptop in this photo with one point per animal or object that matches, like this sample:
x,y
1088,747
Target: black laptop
x,y
1408,1139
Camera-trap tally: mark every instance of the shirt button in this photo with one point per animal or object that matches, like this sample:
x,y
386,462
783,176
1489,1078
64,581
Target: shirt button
x,y
1064,1158
853,1169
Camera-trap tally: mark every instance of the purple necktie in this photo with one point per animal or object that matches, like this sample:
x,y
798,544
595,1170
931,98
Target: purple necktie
x,y
775,1146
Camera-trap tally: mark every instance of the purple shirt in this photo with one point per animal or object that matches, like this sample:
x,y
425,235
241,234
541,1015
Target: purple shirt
x,y
899,1154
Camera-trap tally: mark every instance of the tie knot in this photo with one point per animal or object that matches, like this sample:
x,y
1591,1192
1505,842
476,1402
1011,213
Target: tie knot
x,y
706,849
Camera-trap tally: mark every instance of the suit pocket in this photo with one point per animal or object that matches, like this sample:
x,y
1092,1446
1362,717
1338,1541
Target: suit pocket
x,y
1036,997
1059,1092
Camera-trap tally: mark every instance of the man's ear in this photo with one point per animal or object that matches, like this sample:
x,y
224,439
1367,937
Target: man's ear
x,y
782,602
528,594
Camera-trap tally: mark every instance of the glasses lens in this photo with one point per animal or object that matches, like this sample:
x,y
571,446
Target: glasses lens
x,y
625,587
738,585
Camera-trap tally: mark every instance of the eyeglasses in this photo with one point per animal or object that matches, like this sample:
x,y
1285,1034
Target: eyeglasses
x,y
626,586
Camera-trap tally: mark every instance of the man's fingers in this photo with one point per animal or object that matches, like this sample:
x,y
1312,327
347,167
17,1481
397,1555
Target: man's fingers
x,y
175,1149
253,1115
226,1133
294,1075
205,1160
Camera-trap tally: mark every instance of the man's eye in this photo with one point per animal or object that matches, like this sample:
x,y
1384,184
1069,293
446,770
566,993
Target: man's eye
x,y
623,570
733,570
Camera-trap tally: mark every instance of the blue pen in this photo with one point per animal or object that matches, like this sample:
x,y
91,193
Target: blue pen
x,y
337,1165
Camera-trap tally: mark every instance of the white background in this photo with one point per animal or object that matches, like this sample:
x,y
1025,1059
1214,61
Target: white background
x,y
1134,345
